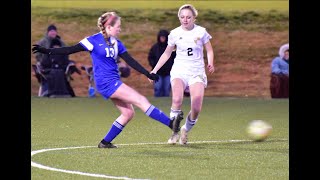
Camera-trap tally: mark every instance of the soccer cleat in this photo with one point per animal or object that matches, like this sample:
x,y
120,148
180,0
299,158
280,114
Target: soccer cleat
x,y
184,136
107,145
174,138
176,122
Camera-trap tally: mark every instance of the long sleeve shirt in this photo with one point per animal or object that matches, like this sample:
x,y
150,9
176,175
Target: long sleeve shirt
x,y
279,66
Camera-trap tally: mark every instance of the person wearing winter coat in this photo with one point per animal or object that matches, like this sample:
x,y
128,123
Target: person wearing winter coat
x,y
279,82
162,87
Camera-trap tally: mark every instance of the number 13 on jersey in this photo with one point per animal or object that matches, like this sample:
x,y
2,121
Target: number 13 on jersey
x,y
109,52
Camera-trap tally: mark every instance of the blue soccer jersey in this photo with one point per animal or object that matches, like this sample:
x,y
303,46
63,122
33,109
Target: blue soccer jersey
x,y
105,68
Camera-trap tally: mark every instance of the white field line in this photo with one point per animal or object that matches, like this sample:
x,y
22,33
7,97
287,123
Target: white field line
x,y
34,164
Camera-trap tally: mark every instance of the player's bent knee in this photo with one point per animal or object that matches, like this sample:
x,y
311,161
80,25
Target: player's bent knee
x,y
128,113
177,100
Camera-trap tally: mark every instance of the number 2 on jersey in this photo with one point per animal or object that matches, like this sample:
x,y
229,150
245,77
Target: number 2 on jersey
x,y
190,52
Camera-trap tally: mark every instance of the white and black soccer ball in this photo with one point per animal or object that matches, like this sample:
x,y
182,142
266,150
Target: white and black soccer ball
x,y
259,130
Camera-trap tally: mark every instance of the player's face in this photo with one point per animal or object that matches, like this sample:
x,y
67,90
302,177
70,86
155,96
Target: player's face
x,y
286,55
115,29
186,19
52,34
163,39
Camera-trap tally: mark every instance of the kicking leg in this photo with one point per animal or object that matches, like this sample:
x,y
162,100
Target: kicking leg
x,y
129,95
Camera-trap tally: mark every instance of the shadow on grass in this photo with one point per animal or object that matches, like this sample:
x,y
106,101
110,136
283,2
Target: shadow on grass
x,y
194,149
262,146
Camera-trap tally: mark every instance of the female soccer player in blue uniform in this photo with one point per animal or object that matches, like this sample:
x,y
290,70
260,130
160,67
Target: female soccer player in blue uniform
x,y
104,48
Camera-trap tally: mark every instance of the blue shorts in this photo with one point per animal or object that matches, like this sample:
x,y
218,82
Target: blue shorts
x,y
111,88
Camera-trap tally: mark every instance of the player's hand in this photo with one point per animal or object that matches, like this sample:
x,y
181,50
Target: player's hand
x,y
153,77
210,68
39,49
152,72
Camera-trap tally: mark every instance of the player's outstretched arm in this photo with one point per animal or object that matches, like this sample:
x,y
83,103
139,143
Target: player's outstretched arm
x,y
62,50
135,65
163,59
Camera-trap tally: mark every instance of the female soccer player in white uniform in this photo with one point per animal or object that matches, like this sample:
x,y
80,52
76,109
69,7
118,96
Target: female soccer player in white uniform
x,y
104,48
188,69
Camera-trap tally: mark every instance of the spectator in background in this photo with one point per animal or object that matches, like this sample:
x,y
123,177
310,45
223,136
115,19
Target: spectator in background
x,y
43,60
57,61
162,87
279,83
62,68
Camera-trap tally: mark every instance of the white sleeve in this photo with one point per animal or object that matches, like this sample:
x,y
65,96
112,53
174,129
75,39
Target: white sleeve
x,y
87,44
171,41
206,37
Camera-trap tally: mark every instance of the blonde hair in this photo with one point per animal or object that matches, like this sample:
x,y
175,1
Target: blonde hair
x,y
188,6
109,18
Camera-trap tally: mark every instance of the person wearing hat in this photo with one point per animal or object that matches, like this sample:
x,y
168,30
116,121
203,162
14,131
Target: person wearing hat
x,y
279,82
43,59
162,88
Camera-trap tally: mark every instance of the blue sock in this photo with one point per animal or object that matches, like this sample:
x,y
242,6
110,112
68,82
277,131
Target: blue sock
x,y
114,131
158,115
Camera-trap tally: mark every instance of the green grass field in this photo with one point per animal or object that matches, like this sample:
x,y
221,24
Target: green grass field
x,y
219,147
224,5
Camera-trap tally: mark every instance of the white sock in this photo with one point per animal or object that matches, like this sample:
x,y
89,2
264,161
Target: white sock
x,y
189,123
174,113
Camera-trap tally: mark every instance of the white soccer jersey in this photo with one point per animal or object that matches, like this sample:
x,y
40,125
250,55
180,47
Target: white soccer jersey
x,y
189,49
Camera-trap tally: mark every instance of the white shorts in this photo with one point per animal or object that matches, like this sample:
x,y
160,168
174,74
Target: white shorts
x,y
189,79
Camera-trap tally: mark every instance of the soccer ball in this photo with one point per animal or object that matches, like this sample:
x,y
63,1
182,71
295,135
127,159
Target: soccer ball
x,y
259,130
